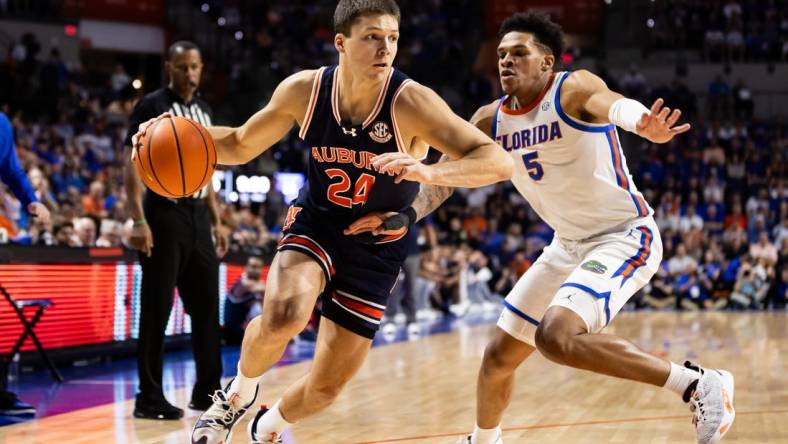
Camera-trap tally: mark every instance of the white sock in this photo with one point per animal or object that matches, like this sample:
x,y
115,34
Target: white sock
x,y
272,422
680,378
485,436
244,386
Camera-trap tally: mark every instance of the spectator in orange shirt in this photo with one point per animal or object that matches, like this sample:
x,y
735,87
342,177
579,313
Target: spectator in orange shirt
x,y
93,203
475,225
736,218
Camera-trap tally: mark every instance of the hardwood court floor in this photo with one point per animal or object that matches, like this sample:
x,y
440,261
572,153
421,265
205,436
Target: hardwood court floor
x,y
423,392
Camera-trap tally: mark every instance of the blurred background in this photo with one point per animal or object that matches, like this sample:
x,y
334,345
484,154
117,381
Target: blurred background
x,y
72,70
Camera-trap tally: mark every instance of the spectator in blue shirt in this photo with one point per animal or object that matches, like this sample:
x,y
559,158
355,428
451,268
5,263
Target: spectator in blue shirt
x,y
12,174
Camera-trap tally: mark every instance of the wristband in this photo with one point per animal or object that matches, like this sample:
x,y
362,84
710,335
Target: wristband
x,y
400,220
140,222
411,213
626,113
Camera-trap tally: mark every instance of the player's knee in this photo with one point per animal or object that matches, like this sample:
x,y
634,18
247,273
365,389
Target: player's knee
x,y
283,318
554,342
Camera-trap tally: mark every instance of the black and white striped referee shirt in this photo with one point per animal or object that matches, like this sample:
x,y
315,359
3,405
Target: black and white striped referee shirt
x,y
165,100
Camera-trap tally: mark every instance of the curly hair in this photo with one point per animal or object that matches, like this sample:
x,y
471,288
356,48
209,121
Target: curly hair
x,y
546,32
348,11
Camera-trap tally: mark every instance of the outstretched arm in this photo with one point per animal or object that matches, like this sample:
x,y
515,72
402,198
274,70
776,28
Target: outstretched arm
x,y
238,145
431,197
474,159
588,94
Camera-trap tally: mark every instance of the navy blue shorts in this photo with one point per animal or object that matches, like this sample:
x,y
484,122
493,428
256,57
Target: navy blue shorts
x,y
360,275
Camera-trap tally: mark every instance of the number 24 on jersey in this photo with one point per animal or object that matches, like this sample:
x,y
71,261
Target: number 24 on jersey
x,y
337,190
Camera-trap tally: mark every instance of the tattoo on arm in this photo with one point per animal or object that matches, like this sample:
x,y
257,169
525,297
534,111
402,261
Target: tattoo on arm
x,y
429,198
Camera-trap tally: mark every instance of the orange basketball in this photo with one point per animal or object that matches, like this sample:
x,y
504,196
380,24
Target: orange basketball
x,y
176,157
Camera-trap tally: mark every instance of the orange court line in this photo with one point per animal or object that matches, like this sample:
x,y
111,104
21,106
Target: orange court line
x,y
567,424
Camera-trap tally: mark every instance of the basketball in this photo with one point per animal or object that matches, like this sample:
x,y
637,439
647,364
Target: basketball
x,y
176,157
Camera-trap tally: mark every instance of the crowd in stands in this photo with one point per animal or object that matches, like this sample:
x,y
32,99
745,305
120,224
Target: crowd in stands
x,y
728,30
718,192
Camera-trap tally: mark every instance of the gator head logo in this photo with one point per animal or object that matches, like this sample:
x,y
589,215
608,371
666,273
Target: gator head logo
x,y
594,267
380,132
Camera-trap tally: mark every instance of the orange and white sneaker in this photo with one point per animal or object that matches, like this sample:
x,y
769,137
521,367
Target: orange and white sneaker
x,y
711,404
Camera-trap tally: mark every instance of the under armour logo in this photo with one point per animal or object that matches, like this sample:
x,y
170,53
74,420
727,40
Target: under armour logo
x,y
351,131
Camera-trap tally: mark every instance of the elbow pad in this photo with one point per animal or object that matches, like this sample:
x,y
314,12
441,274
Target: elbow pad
x,y
626,113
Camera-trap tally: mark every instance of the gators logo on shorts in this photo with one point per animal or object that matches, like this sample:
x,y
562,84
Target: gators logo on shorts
x,y
594,267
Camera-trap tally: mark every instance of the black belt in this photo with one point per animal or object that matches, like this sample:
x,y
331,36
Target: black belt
x,y
183,201
187,201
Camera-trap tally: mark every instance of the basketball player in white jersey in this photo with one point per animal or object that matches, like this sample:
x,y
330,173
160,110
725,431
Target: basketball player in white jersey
x,y
560,128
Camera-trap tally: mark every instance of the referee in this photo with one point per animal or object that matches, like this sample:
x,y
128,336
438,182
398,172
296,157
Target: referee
x,y
174,237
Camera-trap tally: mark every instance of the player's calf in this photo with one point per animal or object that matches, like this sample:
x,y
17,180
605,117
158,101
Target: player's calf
x,y
321,394
503,355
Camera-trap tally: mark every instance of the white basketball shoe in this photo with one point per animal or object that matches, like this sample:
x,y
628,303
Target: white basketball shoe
x,y
215,425
711,403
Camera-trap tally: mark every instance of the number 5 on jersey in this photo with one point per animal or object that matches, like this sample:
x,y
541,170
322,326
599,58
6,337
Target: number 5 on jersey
x,y
360,191
533,167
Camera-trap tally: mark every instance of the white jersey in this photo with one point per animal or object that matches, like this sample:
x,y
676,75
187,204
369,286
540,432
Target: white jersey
x,y
572,173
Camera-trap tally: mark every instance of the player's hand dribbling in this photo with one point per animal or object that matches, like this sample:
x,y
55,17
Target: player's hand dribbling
x,y
143,128
374,223
403,166
142,239
658,125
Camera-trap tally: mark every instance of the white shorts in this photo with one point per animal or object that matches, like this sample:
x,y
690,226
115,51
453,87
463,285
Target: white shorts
x,y
593,277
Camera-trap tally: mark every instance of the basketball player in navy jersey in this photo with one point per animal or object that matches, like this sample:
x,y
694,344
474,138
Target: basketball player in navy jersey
x,y
348,116
560,127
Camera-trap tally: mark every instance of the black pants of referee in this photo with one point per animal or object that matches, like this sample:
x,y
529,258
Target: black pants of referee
x,y
183,256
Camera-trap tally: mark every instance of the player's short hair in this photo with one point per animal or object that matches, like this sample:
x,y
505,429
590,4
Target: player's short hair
x,y
183,45
546,32
348,11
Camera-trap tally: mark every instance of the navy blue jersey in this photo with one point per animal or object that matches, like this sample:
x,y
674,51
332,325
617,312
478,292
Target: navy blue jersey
x,y
341,184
